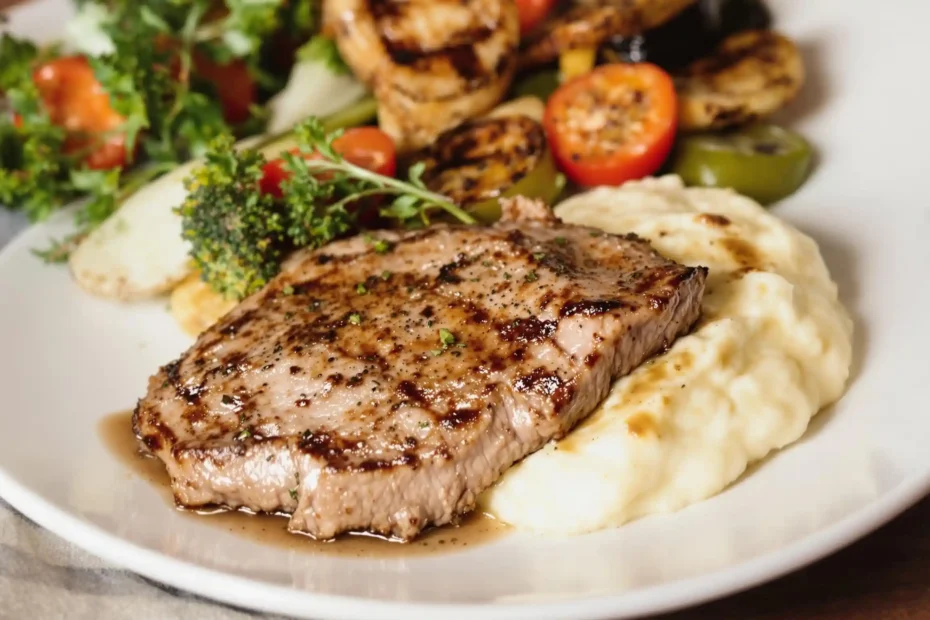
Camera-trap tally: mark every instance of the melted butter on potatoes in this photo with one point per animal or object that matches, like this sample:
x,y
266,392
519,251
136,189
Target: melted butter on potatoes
x,y
774,346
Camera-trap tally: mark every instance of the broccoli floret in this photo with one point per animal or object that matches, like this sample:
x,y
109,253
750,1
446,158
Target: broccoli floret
x,y
238,234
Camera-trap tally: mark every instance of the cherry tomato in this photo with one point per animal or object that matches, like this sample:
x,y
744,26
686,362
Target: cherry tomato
x,y
613,124
234,85
532,13
76,101
368,147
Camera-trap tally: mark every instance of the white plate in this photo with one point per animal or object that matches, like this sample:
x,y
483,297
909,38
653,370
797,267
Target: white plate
x,y
68,359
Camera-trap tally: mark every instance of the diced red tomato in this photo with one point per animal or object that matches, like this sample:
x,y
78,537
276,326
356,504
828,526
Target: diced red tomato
x,y
76,101
613,124
532,13
367,147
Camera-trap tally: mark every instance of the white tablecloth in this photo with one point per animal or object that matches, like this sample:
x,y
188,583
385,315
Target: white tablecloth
x,y
43,577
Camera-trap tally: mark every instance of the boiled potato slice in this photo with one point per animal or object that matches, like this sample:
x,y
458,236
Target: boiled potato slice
x,y
139,252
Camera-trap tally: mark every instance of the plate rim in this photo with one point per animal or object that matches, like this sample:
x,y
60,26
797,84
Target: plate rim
x,y
249,594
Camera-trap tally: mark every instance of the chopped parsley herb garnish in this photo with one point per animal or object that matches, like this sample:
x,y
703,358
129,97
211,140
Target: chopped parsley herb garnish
x,y
531,276
381,246
424,424
507,276
386,275
288,316
293,493
562,241
227,399
538,256
487,263
287,289
243,434
596,233
355,318
446,337
361,289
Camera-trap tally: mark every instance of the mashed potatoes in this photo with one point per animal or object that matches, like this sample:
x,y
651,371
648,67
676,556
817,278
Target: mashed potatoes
x,y
773,348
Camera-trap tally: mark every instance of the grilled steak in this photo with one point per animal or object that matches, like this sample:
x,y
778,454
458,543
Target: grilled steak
x,y
383,386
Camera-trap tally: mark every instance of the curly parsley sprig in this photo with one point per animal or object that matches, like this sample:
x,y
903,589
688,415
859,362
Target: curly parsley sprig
x,y
332,175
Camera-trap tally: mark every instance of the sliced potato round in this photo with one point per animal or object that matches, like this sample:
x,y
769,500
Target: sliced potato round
x,y
196,306
751,75
138,252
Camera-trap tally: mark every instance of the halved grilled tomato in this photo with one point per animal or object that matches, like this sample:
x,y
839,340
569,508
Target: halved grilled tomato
x,y
368,147
486,159
613,124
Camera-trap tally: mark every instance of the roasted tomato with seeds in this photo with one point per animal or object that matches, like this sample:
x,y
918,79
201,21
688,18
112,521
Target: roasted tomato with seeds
x,y
613,124
367,147
76,102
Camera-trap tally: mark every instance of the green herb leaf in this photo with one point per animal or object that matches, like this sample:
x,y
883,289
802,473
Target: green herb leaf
x,y
446,337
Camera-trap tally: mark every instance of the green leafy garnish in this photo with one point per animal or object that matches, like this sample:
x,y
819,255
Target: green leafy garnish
x,y
146,57
239,235
446,337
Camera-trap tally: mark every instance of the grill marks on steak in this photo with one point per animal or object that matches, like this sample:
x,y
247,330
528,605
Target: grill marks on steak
x,y
331,395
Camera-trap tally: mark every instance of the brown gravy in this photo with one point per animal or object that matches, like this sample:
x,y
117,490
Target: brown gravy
x,y
116,434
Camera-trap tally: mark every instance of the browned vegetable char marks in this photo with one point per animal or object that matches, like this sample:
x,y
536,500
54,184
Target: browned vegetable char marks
x,y
385,391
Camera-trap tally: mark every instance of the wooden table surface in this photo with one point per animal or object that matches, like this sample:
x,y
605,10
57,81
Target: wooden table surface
x,y
886,576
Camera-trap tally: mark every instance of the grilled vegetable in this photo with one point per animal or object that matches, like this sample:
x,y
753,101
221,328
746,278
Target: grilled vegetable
x,y
431,65
751,75
539,84
484,160
614,124
591,23
690,35
763,162
573,63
